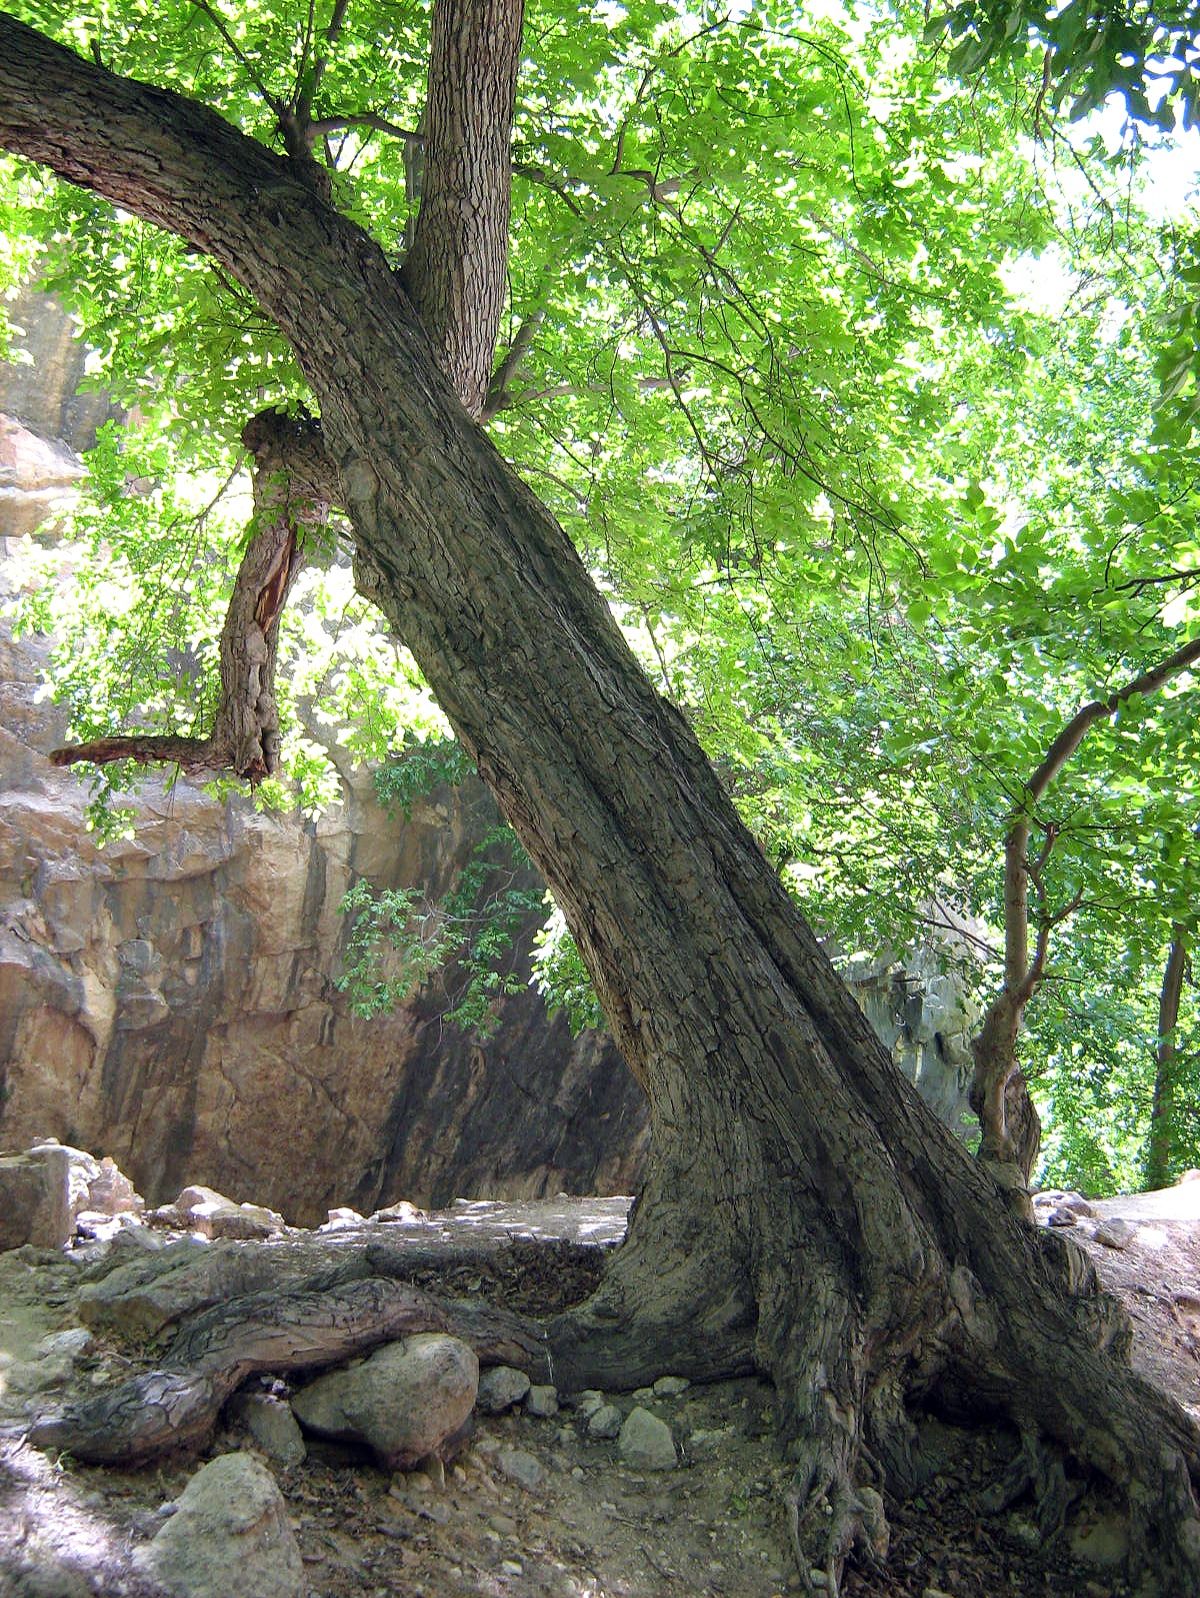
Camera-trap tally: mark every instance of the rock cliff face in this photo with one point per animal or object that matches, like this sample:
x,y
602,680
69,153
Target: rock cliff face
x,y
169,1000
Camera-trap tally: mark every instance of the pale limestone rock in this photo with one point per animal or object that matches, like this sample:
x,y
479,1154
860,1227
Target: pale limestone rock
x,y
35,1198
229,1534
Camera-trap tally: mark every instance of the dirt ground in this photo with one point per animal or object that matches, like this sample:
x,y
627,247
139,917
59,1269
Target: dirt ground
x,y
580,1523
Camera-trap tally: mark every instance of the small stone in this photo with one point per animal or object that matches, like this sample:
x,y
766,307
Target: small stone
x,y
500,1388
576,1472
935,1592
273,1427
1061,1217
646,1442
671,1386
503,1525
71,1344
604,1422
541,1401
642,1395
1115,1233
703,1443
511,1567
589,1401
520,1467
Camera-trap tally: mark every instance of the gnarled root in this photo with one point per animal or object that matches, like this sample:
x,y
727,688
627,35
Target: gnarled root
x,y
215,1351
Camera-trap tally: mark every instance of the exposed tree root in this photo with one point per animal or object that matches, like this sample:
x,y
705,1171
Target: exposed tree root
x,y
177,1405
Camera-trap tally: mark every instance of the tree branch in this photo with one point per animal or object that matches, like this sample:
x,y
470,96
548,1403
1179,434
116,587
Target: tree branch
x,y
1073,734
292,477
456,270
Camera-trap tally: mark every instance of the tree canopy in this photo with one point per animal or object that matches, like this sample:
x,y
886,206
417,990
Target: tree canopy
x,y
911,549
878,566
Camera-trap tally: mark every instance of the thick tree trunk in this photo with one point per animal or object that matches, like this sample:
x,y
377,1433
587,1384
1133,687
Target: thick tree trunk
x,y
804,1213
1160,1144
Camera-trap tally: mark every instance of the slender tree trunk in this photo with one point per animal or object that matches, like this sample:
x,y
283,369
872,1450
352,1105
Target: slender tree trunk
x,y
999,1094
1160,1145
804,1214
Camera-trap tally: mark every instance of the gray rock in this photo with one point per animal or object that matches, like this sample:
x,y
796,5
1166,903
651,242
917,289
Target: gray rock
x,y
646,1442
1101,1540
272,1425
74,1343
500,1388
229,1534
702,1444
408,1400
51,1579
589,1401
671,1386
542,1402
1115,1233
1060,1217
520,1467
604,1421
35,1198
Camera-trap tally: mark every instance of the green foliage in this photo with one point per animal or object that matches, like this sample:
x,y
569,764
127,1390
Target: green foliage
x,y
396,941
400,939
877,507
420,765
562,978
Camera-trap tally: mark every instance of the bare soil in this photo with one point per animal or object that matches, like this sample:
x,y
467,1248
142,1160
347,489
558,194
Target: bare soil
x,y
591,1527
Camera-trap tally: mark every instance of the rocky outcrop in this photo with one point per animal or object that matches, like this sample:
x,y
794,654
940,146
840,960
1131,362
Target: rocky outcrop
x,y
168,1000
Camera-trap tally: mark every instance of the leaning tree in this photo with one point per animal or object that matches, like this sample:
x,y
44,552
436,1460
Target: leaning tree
x,y
804,1215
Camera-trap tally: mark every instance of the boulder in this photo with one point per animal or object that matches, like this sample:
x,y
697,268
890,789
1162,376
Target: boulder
x,y
229,1534
646,1442
112,1193
35,1198
1115,1233
541,1401
407,1401
203,1210
604,1422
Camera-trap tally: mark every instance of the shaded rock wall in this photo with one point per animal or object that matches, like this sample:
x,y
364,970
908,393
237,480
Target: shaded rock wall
x,y
169,1000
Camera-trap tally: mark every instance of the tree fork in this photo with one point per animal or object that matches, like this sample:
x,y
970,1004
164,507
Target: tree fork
x,y
293,484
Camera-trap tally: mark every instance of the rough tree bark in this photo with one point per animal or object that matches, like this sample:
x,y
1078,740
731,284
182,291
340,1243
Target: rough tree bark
x,y
804,1213
999,1094
1161,1142
291,511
